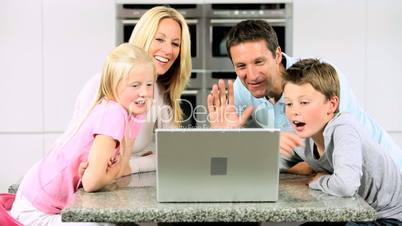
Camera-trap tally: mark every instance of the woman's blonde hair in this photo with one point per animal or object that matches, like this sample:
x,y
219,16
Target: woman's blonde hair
x,y
175,79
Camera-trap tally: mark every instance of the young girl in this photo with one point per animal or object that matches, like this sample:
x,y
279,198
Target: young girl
x,y
103,139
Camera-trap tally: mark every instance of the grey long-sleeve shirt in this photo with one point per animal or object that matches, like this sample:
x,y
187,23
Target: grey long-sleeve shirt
x,y
356,164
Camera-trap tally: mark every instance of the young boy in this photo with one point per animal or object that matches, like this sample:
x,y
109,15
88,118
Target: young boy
x,y
337,147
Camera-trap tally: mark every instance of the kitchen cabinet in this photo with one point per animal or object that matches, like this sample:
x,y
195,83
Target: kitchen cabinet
x,y
333,30
19,153
21,67
48,50
77,37
362,38
384,67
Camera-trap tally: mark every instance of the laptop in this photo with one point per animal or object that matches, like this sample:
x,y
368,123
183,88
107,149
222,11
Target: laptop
x,y
217,165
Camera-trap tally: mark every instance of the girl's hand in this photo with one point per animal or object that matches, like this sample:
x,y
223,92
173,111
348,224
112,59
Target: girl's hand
x,y
81,168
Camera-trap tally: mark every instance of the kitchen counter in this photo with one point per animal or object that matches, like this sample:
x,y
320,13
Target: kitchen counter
x,y
133,199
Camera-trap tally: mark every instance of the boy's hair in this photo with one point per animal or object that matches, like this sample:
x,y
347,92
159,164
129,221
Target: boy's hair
x,y
176,78
321,76
252,30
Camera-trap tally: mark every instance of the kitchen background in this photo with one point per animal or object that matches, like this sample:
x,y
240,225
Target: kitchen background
x,y
49,49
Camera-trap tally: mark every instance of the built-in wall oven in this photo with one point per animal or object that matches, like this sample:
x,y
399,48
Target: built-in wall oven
x,y
220,18
128,16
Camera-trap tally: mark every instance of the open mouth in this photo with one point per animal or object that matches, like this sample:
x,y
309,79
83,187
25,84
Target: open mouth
x,y
161,59
140,102
299,125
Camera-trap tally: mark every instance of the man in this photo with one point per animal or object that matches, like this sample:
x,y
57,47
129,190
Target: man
x,y
255,99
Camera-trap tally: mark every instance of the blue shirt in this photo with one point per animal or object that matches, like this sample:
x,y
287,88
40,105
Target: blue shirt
x,y
268,115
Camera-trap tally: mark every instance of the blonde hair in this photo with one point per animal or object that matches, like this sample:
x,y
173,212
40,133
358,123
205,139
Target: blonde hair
x,y
321,76
116,68
175,79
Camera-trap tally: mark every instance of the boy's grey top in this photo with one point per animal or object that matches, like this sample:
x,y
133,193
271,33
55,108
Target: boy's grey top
x,y
356,164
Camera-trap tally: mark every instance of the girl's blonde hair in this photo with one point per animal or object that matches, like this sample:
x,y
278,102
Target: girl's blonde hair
x,y
175,79
117,66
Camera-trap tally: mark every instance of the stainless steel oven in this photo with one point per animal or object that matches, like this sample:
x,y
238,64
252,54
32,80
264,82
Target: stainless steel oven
x,y
193,102
222,17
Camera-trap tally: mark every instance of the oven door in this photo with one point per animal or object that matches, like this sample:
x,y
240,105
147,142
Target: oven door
x,y
216,54
194,112
125,27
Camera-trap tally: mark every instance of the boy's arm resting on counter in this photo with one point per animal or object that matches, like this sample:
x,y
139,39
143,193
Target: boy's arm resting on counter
x,y
99,173
347,158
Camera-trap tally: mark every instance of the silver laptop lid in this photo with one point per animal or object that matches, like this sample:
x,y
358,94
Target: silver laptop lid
x,y
217,165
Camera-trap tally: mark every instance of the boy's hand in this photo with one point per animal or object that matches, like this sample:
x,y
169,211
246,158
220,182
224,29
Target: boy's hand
x,y
318,175
301,168
288,142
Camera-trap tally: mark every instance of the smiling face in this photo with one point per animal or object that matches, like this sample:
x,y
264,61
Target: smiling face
x,y
257,68
307,109
135,92
165,46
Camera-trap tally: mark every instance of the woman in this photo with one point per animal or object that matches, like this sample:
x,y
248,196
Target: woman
x,y
163,33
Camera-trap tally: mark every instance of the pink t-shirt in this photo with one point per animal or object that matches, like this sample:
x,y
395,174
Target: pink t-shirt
x,y
52,182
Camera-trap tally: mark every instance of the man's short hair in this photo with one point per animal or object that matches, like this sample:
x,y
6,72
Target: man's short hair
x,y
252,30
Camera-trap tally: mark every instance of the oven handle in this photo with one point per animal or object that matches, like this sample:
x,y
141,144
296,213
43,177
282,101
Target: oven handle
x,y
134,21
129,21
190,92
235,21
191,21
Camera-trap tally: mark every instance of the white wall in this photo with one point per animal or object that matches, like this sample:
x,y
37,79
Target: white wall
x,y
384,63
48,49
363,38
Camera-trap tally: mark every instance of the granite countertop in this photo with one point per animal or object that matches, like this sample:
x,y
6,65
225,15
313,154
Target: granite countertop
x,y
133,199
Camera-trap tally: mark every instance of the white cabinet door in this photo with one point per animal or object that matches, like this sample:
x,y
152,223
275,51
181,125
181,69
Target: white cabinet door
x,y
19,153
21,66
384,63
77,36
333,30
